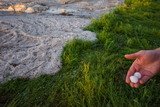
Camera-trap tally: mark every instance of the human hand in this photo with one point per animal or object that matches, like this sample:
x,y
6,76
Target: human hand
x,y
147,62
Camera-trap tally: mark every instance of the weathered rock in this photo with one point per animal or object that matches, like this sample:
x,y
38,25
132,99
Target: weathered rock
x,y
23,55
10,8
31,44
29,10
20,7
17,8
67,1
39,8
61,11
3,5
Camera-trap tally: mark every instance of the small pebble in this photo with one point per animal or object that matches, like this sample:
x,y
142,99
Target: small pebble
x,y
10,8
20,7
29,10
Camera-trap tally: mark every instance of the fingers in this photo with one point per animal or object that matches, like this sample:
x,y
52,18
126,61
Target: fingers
x,y
135,85
138,66
146,75
130,73
132,84
144,79
134,68
134,55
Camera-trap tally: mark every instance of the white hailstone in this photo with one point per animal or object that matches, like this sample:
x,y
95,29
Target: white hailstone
x,y
138,75
134,79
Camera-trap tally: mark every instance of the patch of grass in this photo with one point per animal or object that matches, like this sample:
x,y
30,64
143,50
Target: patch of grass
x,y
93,73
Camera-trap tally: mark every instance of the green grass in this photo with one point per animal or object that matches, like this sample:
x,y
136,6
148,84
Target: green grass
x,y
93,73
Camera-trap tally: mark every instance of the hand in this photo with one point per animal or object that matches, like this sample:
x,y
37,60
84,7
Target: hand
x,y
146,62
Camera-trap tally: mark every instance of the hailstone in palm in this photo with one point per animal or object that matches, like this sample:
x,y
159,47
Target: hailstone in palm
x,y
133,79
138,75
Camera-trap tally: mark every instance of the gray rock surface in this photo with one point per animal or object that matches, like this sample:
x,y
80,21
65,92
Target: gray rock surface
x,y
31,44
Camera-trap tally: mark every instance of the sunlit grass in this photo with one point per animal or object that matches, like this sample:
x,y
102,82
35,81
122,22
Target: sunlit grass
x,y
93,73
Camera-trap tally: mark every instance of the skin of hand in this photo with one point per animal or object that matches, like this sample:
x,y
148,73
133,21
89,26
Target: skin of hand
x,y
147,62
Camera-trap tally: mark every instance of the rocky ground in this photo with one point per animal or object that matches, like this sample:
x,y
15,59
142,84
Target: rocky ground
x,y
34,32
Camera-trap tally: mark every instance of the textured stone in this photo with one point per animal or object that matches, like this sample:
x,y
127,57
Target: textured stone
x,y
39,8
29,10
10,8
20,7
31,44
67,1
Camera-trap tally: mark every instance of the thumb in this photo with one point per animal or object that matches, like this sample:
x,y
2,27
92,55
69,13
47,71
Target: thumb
x,y
134,55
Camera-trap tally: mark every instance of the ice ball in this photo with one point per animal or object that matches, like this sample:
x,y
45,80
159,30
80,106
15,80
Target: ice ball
x,y
133,79
138,75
